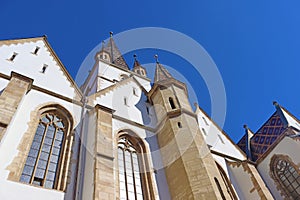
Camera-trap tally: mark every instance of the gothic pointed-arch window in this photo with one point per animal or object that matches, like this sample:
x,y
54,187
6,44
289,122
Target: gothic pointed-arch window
x,y
227,183
172,104
49,152
134,175
286,175
219,188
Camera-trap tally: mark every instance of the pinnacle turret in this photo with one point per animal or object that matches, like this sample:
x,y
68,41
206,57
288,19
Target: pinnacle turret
x,y
138,68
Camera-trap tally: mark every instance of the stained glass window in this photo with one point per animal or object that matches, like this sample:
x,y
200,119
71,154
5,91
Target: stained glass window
x,y
287,174
41,167
129,171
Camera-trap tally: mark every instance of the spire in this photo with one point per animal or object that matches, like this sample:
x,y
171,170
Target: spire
x,y
161,73
138,68
114,53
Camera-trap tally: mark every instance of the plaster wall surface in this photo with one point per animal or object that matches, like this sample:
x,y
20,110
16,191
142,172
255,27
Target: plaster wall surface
x,y
281,149
30,65
13,136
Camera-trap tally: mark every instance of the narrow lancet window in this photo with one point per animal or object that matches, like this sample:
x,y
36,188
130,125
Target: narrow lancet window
x,y
171,101
219,188
129,171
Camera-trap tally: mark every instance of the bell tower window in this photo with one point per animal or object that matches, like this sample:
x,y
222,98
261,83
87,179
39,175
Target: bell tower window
x,y
171,101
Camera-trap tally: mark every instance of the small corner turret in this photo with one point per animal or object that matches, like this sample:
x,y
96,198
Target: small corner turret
x,y
138,68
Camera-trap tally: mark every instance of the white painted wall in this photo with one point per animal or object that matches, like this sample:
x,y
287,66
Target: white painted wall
x,y
30,65
287,146
115,99
216,138
3,84
242,182
12,138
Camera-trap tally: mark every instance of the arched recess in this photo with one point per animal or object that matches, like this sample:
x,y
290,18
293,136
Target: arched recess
x,y
45,149
134,167
227,183
286,175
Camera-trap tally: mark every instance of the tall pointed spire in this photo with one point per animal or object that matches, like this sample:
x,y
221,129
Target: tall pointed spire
x,y
161,73
114,53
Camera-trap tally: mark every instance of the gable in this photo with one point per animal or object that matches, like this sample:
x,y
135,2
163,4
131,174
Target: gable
x,y
55,77
291,120
216,138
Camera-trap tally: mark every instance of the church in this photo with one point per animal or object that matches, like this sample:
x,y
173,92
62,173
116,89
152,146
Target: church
x,y
122,136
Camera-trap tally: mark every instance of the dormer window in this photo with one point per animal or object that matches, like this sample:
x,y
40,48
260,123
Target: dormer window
x,y
13,56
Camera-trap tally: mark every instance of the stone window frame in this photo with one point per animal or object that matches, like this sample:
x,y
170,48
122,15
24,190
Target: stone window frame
x,y
18,163
148,187
279,185
227,182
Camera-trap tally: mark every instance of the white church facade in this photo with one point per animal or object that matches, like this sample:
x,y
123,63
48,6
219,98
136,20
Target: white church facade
x,y
122,136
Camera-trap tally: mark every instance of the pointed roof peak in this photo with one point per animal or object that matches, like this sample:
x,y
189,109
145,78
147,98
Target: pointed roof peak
x,y
116,56
287,118
248,134
136,63
248,131
161,73
275,103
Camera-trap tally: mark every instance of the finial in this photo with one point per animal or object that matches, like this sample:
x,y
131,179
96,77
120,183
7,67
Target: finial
x,y
111,33
275,103
134,55
156,58
245,126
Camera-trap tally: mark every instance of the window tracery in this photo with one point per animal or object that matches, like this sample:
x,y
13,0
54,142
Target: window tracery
x,y
49,152
135,179
286,175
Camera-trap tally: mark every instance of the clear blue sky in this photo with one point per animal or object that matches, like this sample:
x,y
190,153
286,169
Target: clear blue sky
x,y
255,44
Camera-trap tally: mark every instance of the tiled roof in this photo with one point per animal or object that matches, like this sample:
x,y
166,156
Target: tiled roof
x,y
270,132
115,54
161,73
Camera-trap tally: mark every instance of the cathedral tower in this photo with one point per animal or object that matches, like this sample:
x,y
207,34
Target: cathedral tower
x,y
190,168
